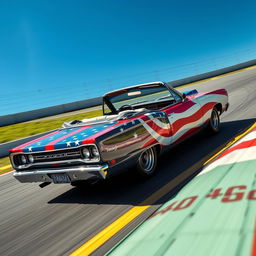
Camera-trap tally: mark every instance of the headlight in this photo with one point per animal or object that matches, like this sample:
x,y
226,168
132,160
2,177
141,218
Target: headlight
x,y
31,159
90,153
86,153
95,152
23,159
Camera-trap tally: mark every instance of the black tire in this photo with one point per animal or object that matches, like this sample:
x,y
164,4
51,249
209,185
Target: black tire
x,y
214,123
147,163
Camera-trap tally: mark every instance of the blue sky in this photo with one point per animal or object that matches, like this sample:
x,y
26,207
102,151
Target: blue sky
x,y
54,52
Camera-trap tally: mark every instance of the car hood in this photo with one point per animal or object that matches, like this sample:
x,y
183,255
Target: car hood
x,y
67,137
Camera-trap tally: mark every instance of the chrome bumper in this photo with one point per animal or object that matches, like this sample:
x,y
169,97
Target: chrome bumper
x,y
74,173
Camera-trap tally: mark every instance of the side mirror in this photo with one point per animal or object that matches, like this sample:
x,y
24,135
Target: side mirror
x,y
184,96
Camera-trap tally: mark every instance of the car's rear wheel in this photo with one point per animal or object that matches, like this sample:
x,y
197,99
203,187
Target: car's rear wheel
x,y
147,163
214,123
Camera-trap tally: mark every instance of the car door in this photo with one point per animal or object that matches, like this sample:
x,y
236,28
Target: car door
x,y
184,115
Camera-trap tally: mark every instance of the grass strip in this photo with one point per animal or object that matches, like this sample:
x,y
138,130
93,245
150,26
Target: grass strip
x,y
3,163
22,130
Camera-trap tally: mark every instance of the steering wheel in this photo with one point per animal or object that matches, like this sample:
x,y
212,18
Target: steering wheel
x,y
125,107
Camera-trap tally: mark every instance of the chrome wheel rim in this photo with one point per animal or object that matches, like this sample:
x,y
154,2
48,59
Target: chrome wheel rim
x,y
147,160
215,120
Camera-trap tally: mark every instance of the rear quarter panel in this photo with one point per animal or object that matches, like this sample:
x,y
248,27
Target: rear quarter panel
x,y
209,99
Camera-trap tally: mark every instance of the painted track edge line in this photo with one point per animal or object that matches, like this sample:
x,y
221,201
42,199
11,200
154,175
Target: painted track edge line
x,y
5,167
230,143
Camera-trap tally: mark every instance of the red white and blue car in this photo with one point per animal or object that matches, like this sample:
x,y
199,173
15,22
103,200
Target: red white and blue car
x,y
138,123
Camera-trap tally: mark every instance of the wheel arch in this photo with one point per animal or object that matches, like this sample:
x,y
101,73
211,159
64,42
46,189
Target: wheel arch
x,y
158,149
219,107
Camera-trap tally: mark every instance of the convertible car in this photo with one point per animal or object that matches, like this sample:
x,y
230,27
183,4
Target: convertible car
x,y
138,123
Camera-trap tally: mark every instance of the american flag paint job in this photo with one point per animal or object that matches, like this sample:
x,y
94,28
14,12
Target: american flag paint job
x,y
65,138
167,126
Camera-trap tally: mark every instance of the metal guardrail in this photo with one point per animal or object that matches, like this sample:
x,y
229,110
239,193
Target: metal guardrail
x,y
59,109
210,74
50,111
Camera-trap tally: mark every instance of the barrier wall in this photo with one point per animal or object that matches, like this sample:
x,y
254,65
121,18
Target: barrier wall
x,y
59,109
210,74
50,111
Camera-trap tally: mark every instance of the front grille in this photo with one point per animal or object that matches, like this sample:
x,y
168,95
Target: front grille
x,y
55,156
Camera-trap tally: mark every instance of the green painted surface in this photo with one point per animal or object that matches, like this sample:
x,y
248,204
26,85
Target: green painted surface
x,y
206,227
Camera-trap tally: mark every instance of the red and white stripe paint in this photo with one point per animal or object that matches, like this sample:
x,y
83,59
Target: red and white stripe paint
x,y
185,118
243,150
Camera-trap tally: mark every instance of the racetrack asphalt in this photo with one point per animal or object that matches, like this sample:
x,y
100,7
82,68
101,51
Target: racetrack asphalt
x,y
59,218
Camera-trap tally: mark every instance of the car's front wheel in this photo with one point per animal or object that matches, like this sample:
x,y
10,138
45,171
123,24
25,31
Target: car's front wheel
x,y
214,123
147,163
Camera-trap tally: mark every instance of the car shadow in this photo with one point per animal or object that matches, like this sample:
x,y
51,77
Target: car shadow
x,y
125,189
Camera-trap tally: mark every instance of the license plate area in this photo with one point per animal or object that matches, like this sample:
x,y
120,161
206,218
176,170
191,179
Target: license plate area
x,y
59,178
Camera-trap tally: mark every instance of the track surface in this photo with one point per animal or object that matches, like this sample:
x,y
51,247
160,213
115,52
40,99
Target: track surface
x,y
58,219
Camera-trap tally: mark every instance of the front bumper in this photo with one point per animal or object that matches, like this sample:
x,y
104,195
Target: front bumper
x,y
74,173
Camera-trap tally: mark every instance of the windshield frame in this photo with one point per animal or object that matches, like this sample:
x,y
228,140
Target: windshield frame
x,y
114,110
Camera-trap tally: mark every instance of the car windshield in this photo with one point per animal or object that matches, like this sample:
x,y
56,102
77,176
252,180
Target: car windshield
x,y
141,95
